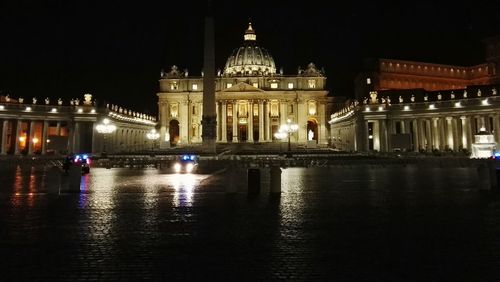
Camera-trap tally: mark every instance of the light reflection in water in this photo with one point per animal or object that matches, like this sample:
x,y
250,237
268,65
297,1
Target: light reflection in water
x,y
184,190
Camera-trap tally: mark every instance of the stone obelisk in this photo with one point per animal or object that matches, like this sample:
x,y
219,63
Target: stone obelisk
x,y
209,119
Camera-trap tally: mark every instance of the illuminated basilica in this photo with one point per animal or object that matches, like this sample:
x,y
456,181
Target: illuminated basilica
x,y
252,100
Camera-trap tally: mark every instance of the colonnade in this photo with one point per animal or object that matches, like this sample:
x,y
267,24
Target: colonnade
x,y
454,132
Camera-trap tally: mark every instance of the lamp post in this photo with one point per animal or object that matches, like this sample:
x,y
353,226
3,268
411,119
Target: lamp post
x,y
153,136
105,128
285,131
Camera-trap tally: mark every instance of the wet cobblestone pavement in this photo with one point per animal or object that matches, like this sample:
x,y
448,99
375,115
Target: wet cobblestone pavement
x,y
330,224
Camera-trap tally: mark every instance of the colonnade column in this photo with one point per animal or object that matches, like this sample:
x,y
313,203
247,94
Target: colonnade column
x,y
235,121
58,129
449,133
496,127
463,121
428,134
250,122
224,120
44,136
18,132
456,138
267,127
435,133
366,136
30,142
470,136
4,136
261,121
415,135
383,136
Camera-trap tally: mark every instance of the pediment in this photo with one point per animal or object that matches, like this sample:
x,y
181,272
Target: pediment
x,y
242,87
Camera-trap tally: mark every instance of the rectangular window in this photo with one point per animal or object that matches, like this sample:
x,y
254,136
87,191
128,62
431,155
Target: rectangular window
x,y
229,110
311,83
290,85
255,109
194,110
255,84
229,85
368,81
290,109
274,85
195,86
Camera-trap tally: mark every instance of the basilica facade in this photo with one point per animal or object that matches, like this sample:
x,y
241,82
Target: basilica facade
x,y
253,100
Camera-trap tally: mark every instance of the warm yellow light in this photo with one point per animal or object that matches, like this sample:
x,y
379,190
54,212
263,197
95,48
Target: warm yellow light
x,y
35,140
22,139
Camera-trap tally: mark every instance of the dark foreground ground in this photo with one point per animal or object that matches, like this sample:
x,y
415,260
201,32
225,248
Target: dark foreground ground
x,y
358,223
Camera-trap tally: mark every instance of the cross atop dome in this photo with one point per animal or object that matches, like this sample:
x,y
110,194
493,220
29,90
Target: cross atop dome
x,y
250,33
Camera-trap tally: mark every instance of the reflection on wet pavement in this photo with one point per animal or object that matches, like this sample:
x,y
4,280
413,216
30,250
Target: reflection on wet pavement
x,y
347,224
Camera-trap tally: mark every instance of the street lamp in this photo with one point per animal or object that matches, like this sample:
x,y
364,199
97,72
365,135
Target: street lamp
x,y
105,128
153,136
285,131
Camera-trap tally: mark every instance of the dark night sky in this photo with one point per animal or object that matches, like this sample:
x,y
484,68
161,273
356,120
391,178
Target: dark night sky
x,y
115,50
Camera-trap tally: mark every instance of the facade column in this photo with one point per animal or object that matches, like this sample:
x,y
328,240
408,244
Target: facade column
x,y
283,115
31,136
164,125
323,137
267,125
184,122
449,133
302,120
5,123
44,136
261,121
435,133
235,121
250,122
217,120
224,120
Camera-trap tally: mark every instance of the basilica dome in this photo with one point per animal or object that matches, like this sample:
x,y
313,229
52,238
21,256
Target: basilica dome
x,y
250,59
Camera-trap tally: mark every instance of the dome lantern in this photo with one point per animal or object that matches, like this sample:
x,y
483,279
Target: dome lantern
x,y
250,33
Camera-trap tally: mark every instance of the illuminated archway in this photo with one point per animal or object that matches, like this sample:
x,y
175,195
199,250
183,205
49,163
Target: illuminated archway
x,y
173,131
312,126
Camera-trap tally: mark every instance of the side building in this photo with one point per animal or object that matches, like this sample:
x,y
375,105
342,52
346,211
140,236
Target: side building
x,y
415,106
57,128
252,100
